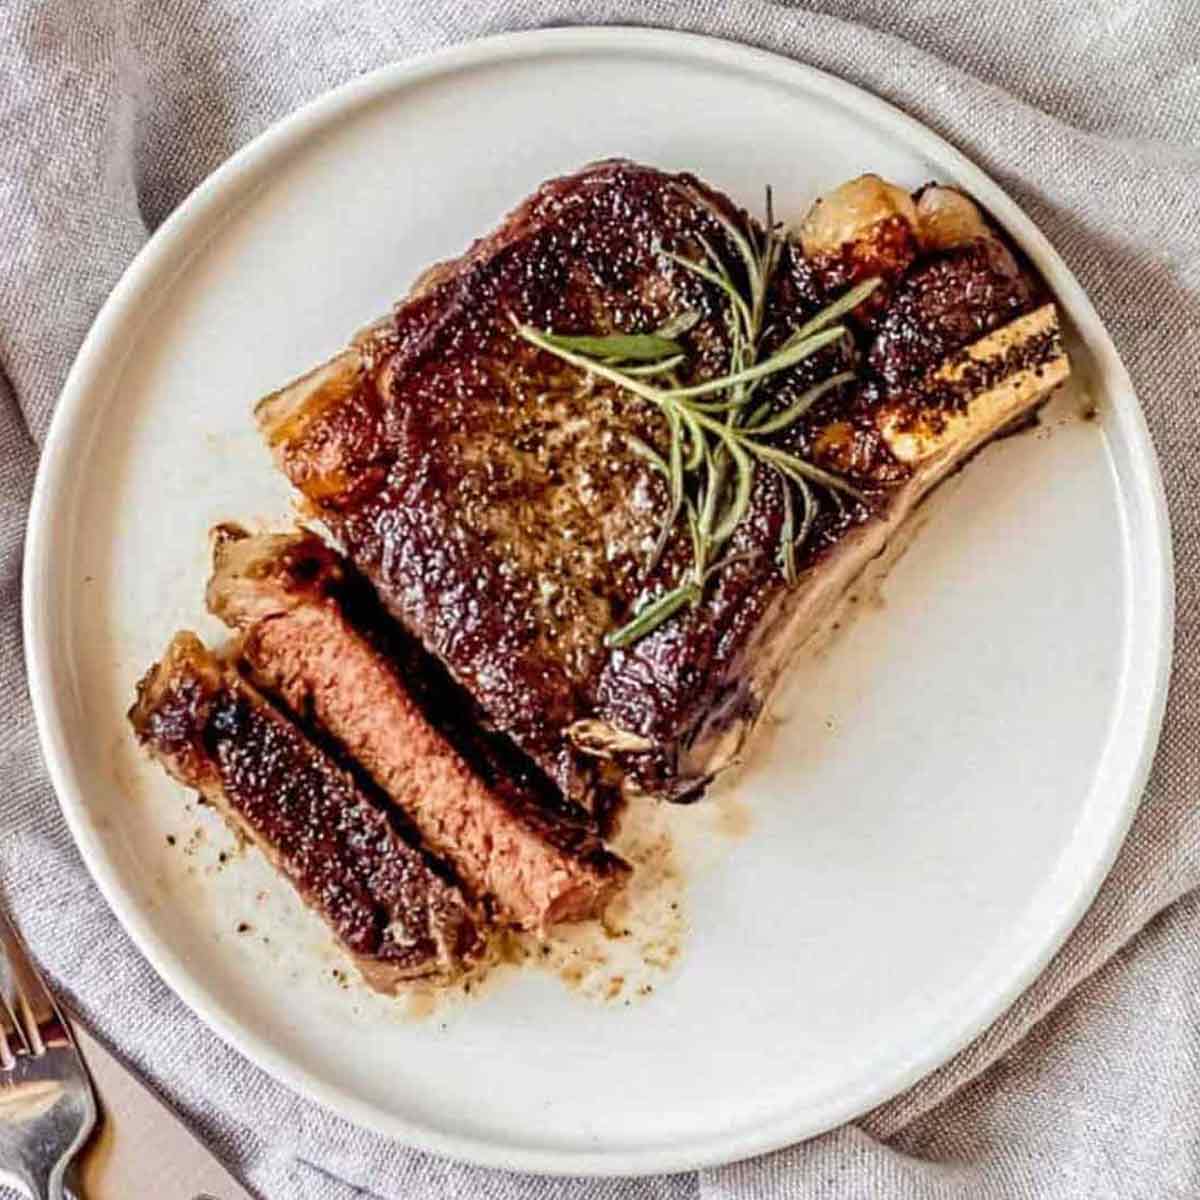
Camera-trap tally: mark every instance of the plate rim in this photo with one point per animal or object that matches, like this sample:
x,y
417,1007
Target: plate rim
x,y
293,130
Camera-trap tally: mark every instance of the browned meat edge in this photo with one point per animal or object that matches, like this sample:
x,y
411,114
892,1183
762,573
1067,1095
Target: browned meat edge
x,y
400,917
491,496
291,598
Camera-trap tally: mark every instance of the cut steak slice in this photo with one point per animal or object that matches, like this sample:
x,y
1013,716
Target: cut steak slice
x,y
398,914
494,496
311,637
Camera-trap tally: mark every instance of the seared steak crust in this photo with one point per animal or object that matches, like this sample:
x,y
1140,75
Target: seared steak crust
x,y
489,492
395,910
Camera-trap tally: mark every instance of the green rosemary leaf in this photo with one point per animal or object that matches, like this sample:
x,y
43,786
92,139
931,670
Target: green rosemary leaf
x,y
722,281
742,487
739,352
699,554
619,347
677,465
695,455
645,450
613,374
779,361
728,561
716,406
714,485
810,510
736,236
683,323
674,472
756,414
769,238
713,257
656,368
787,532
660,542
791,415
797,468
839,308
652,615
768,260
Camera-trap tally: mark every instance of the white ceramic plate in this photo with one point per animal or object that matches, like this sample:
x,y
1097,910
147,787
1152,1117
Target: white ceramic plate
x,y
955,776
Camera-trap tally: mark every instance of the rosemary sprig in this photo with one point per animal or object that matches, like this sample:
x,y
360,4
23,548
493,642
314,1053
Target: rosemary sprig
x,y
789,356
718,441
619,347
659,610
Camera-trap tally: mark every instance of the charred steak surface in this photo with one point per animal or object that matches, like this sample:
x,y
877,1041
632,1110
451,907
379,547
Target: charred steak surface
x,y
489,491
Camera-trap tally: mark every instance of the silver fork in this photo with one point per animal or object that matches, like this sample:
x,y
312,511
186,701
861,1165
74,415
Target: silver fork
x,y
47,1107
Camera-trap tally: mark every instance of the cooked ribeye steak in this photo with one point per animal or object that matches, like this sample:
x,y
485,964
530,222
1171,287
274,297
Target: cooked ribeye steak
x,y
312,634
397,912
497,499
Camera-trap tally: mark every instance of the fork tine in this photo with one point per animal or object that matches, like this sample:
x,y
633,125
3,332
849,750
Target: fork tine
x,y
13,1039
7,1059
31,1025
27,1010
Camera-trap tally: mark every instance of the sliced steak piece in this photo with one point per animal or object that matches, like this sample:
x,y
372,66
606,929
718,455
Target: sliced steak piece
x,y
493,495
395,911
310,637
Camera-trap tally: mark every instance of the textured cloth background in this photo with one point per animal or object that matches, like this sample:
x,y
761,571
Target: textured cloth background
x,y
111,111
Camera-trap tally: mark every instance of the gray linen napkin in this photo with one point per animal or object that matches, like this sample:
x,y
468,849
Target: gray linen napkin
x,y
1087,111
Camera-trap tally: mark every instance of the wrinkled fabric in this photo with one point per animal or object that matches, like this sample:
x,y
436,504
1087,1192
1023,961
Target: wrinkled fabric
x,y
1087,111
